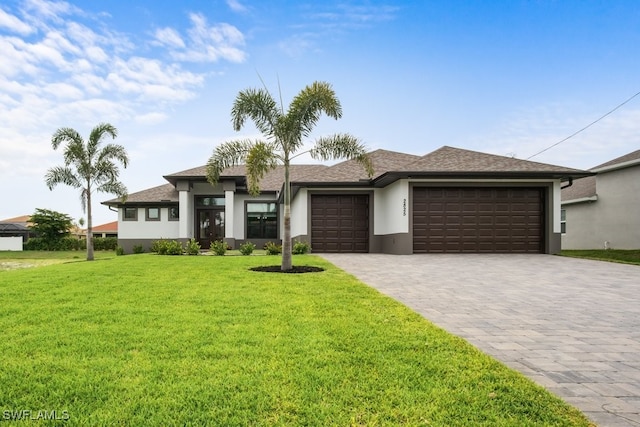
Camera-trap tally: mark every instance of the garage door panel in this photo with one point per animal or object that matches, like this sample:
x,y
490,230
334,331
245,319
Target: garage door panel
x,y
478,219
340,223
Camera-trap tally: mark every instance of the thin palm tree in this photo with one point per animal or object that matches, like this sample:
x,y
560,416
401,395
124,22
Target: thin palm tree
x,y
284,135
89,167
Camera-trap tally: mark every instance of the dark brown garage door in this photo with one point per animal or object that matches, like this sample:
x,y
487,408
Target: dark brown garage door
x,y
478,219
339,223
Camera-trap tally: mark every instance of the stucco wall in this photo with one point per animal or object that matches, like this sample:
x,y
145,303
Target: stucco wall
x,y
613,218
391,209
142,229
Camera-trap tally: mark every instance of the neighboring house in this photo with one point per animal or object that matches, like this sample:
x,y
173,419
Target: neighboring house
x,y
16,227
450,200
603,211
110,229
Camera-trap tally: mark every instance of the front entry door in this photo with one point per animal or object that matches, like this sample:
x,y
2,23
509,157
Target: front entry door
x,y
209,226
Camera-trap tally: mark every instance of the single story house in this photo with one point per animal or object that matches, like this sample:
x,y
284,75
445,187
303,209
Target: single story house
x,y
601,211
450,200
109,229
16,227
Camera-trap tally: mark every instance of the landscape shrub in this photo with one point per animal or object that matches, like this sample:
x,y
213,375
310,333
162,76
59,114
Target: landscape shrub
x,y
63,244
138,249
273,248
300,248
119,250
167,247
218,247
192,247
103,243
247,248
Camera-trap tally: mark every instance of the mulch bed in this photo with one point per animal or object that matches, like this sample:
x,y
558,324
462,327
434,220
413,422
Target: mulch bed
x,y
294,269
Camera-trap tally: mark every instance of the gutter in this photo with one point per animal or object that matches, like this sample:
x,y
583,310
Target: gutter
x,y
581,200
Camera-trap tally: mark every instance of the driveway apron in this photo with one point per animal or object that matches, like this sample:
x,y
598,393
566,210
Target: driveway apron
x,y
571,325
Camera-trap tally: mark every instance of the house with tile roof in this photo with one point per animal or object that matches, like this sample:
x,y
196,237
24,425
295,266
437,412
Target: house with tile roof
x,y
109,229
450,200
602,211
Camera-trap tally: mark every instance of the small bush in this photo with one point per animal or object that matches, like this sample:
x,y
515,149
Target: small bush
x,y
174,248
166,247
273,248
192,247
300,248
218,247
119,251
138,249
104,243
159,247
247,248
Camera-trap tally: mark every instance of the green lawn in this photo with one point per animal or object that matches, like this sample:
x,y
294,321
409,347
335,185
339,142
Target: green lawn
x,y
613,255
150,340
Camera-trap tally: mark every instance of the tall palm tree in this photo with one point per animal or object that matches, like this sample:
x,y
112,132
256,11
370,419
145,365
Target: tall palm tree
x,y
284,134
89,167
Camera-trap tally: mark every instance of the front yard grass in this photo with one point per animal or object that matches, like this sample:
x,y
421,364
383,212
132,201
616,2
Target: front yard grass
x,y
152,340
613,255
11,260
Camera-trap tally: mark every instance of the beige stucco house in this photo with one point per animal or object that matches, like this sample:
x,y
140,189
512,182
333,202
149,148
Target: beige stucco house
x,y
603,210
450,200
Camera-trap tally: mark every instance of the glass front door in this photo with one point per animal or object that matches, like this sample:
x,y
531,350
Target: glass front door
x,y
209,226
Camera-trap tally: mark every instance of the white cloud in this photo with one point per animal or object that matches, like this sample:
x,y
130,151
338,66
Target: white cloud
x,y
204,43
169,37
236,6
529,132
151,118
14,24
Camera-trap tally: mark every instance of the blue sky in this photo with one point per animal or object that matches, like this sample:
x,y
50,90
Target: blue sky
x,y
503,77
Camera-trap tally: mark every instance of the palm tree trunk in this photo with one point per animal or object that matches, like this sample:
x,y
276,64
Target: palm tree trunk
x,y
286,239
89,227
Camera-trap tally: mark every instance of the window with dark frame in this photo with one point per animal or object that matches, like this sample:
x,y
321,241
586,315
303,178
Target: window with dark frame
x,y
563,221
130,214
174,213
153,214
262,220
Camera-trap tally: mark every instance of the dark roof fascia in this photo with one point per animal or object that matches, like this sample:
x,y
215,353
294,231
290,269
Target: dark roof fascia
x,y
296,186
390,177
148,203
173,180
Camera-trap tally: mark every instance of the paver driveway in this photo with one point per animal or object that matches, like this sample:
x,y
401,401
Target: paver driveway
x,y
571,325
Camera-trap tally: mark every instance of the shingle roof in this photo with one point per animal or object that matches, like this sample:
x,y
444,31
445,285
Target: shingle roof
x,y
580,189
449,159
161,193
635,155
352,171
272,181
388,166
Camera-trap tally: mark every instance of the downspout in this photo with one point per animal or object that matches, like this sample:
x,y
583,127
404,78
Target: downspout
x,y
568,185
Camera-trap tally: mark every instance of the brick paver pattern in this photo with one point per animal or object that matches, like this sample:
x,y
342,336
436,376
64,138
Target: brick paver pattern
x,y
571,325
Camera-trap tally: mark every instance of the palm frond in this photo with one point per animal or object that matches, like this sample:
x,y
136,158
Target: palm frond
x,y
306,108
342,146
61,175
114,187
65,135
97,135
225,155
261,159
257,105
